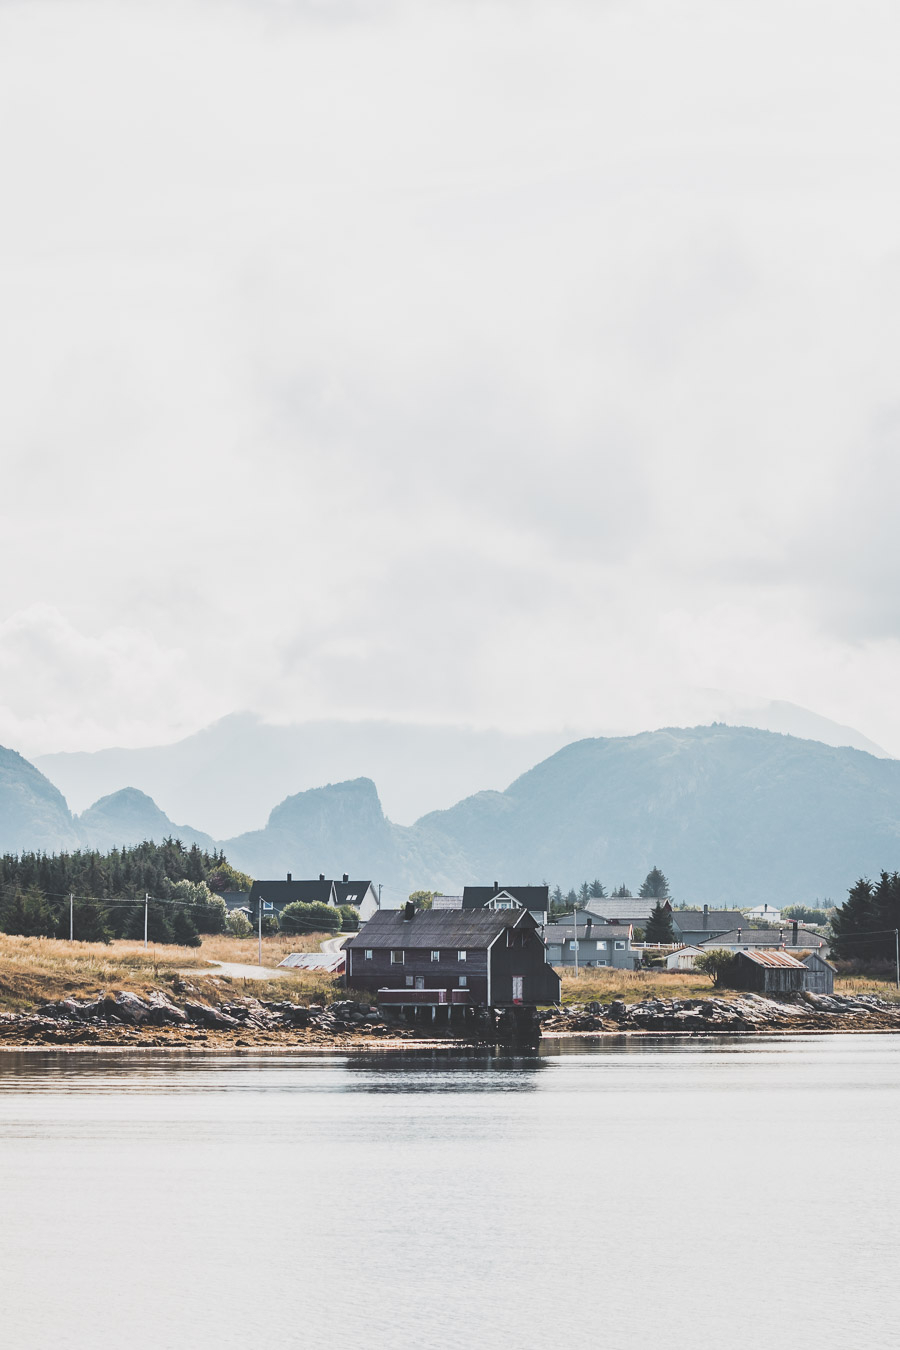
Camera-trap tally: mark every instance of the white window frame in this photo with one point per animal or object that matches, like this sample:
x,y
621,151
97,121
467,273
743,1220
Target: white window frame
x,y
368,954
463,981
620,946
435,956
461,956
409,981
398,957
601,946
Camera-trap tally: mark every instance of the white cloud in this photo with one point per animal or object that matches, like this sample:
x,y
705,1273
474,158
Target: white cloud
x,y
520,365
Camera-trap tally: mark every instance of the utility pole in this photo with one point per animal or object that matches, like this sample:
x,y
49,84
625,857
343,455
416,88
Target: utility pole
x,y
146,914
379,895
897,953
575,931
71,917
259,916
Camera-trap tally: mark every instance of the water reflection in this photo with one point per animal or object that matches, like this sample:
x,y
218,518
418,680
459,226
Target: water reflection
x,y
487,1069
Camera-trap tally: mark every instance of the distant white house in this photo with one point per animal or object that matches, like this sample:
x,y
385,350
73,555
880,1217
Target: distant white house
x,y
683,958
764,914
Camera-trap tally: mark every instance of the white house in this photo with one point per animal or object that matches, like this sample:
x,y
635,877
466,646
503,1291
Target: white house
x,y
683,958
764,914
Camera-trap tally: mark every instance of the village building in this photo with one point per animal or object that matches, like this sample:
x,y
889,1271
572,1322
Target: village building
x,y
692,926
791,937
628,909
767,972
275,895
534,899
763,914
598,944
683,958
488,958
820,979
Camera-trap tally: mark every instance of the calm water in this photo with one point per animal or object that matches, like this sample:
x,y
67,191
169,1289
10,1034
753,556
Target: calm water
x,y
656,1196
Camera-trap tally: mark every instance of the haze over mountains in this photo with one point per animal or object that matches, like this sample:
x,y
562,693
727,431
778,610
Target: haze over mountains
x,y
229,774
731,814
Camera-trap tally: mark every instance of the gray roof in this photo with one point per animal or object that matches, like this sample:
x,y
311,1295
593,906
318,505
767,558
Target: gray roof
x,y
530,897
631,909
561,932
769,937
283,893
691,920
468,929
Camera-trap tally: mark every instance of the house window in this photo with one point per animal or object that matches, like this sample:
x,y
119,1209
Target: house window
x,y
601,946
620,946
409,982
435,956
368,954
460,956
572,944
397,958
463,982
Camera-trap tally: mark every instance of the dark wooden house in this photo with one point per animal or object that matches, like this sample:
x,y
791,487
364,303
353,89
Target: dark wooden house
x,y
479,958
767,972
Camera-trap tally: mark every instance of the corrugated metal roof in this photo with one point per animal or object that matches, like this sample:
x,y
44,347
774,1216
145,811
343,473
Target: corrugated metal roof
x,y
462,928
315,961
774,959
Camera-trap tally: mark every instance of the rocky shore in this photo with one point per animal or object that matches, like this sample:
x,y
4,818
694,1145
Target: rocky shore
x,y
740,1013
126,1019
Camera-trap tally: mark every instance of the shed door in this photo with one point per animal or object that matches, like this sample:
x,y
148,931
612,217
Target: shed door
x,y
517,981
420,981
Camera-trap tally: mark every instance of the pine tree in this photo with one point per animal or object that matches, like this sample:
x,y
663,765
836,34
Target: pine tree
x,y
654,886
659,925
598,890
584,894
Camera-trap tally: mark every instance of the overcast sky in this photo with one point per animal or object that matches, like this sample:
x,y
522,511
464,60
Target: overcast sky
x,y
523,365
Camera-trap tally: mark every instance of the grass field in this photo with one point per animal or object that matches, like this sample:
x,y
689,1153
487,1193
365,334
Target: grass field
x,y
633,985
38,970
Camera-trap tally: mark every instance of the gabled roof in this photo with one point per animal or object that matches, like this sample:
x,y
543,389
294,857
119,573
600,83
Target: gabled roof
x,y
602,932
350,892
779,958
467,929
691,920
529,897
283,893
614,908
768,937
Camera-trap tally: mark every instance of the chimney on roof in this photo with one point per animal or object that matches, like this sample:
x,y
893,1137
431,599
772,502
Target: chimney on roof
x,y
739,931
496,887
794,927
706,916
321,876
345,877
289,877
409,911
589,925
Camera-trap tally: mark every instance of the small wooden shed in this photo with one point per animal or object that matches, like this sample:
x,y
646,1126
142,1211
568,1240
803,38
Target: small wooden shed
x,y
820,977
768,972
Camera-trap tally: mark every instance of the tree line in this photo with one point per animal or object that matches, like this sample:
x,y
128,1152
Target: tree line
x,y
655,886
863,928
185,886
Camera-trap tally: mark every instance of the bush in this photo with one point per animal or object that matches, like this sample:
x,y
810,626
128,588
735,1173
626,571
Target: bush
x,y
315,918
716,963
237,924
349,918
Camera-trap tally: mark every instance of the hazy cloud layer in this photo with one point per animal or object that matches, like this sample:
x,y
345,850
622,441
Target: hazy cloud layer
x,y
521,365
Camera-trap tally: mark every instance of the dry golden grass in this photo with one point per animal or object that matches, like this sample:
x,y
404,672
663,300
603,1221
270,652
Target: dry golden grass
x,y
39,970
597,983
601,984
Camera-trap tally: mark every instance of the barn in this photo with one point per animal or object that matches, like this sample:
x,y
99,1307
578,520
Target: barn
x,y
768,972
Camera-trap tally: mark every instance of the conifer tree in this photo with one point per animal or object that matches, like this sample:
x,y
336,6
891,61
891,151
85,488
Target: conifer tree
x,y
659,925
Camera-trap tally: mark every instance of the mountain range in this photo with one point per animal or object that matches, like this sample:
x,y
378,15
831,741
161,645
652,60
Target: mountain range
x,y
733,815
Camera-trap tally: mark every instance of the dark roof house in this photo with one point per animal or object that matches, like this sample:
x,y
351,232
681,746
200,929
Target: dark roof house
x,y
490,958
276,894
535,899
768,972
